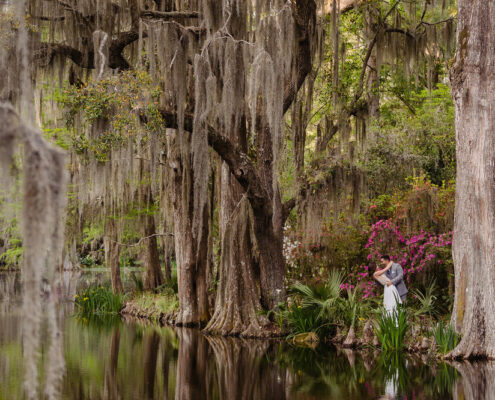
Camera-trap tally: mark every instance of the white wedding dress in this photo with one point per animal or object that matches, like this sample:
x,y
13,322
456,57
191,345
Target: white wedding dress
x,y
390,296
390,299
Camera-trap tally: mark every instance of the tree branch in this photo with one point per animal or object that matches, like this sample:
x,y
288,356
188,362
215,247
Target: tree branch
x,y
239,162
287,208
304,12
170,14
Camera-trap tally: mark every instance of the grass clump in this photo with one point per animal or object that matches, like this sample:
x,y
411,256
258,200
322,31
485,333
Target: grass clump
x,y
98,300
446,338
391,329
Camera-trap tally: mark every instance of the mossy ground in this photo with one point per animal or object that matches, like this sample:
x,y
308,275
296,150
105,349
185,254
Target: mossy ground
x,y
159,307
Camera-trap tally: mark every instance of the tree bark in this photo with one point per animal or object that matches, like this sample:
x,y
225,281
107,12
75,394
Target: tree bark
x,y
237,303
268,226
112,254
191,256
473,89
153,274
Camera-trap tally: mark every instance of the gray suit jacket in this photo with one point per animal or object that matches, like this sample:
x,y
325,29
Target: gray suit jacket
x,y
396,275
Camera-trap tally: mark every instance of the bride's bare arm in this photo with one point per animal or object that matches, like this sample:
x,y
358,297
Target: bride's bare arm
x,y
380,272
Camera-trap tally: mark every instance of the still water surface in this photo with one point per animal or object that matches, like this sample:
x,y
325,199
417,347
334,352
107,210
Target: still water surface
x,y
124,360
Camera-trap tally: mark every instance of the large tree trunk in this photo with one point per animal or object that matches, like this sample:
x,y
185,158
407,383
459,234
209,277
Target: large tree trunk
x,y
237,303
153,275
191,255
268,227
473,88
112,254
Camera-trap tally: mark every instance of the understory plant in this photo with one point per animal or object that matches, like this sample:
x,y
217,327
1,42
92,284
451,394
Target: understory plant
x,y
446,337
322,307
316,308
98,300
391,328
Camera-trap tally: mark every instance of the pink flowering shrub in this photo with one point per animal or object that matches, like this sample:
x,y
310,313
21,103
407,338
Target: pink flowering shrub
x,y
415,253
413,226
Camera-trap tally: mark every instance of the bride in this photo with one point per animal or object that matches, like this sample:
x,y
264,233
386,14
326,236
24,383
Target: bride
x,y
390,295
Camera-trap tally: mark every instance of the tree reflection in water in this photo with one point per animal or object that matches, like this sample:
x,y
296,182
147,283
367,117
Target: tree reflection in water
x,y
478,381
106,359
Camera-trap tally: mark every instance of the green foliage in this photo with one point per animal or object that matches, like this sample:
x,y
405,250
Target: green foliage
x,y
59,136
426,300
315,308
98,300
154,305
138,282
355,308
405,141
446,337
299,320
92,232
391,328
320,308
12,256
126,104
324,297
87,261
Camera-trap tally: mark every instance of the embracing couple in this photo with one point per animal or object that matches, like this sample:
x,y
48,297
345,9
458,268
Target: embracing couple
x,y
391,277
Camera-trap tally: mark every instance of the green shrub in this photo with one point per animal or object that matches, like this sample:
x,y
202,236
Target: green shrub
x,y
426,301
87,261
391,329
446,337
355,307
301,320
316,308
98,300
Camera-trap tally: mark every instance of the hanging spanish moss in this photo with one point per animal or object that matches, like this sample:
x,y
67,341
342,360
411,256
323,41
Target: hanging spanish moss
x,y
44,198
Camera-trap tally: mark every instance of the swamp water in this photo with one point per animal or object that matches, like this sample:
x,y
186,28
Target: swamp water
x,y
116,359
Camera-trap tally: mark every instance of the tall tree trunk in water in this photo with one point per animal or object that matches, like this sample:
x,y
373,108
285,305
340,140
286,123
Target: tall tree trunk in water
x,y
112,253
153,275
473,89
191,256
268,226
237,303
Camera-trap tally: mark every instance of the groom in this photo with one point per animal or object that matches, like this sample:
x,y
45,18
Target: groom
x,y
396,276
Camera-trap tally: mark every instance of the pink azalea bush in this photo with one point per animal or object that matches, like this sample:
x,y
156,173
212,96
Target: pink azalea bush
x,y
415,253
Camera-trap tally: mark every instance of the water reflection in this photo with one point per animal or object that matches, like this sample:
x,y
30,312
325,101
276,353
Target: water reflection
x,y
108,359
